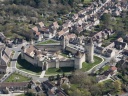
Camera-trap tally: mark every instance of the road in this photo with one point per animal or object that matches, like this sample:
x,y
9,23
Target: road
x,y
13,68
14,61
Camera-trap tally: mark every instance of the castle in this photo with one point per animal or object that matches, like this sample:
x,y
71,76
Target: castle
x,y
46,56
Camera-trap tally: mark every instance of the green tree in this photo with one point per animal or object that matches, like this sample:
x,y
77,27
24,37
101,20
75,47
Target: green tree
x,y
106,21
117,86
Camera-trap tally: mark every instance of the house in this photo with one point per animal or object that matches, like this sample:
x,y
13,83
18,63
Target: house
x,y
5,56
65,25
120,39
79,22
52,90
35,29
36,33
96,22
48,32
82,12
120,45
66,30
40,25
75,17
107,74
99,50
60,34
14,85
78,29
110,52
49,87
113,69
54,25
71,37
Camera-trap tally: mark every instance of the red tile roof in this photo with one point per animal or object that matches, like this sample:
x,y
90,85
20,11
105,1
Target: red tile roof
x,y
113,68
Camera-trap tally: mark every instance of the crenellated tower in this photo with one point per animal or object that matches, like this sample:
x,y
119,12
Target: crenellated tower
x,y
89,50
79,59
64,42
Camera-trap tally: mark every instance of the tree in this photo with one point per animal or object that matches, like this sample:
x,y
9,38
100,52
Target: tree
x,y
65,87
117,86
51,78
112,61
58,76
63,74
75,92
30,93
106,21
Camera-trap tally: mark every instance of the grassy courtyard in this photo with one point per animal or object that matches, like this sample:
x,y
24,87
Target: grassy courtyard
x,y
87,66
59,70
15,77
47,42
28,67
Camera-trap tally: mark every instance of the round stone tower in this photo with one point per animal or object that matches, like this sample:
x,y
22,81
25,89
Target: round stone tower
x,y
64,42
79,59
89,50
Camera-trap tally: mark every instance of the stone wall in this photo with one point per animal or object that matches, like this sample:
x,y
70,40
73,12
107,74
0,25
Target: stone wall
x,y
29,59
67,63
49,47
52,64
72,50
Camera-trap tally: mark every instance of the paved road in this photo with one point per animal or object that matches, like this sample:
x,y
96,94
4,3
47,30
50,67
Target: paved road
x,y
13,68
14,59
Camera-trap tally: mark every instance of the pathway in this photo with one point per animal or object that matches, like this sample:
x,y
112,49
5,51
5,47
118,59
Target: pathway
x,y
42,74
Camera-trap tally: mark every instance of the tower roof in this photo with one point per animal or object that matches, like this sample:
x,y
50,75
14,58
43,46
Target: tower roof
x,y
89,41
79,54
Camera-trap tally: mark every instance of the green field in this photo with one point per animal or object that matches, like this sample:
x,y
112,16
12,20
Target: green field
x,y
59,70
17,78
28,67
87,66
48,42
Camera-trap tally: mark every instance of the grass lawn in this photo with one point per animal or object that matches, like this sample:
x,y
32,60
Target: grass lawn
x,y
86,66
28,67
87,1
59,70
47,42
105,68
102,70
17,78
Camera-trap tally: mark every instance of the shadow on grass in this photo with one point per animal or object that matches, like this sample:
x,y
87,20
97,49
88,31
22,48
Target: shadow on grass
x,y
65,69
23,64
59,70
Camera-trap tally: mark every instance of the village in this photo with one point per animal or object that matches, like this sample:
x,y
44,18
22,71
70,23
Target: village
x,y
46,63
